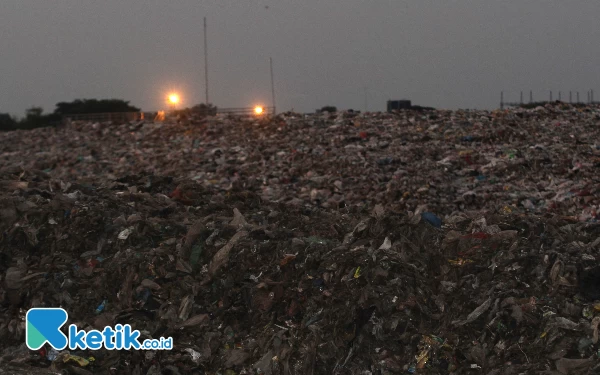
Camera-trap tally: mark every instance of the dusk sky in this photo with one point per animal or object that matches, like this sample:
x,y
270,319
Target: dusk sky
x,y
445,54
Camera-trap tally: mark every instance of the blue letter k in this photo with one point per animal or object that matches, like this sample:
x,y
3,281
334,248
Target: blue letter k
x,y
43,326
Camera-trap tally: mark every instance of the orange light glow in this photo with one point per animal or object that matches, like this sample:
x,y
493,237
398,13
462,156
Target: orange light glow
x,y
258,110
173,98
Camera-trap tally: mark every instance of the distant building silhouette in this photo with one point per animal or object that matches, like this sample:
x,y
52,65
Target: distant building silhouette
x,y
398,104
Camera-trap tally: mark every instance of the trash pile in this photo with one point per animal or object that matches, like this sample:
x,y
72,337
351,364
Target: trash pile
x,y
195,250
541,160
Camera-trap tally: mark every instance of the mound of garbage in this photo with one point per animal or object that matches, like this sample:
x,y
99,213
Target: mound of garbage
x,y
540,160
432,242
247,286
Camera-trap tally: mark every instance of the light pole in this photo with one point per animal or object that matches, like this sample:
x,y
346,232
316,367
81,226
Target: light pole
x,y
205,65
272,86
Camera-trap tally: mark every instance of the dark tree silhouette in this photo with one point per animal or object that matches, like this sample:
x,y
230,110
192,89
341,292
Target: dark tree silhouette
x,y
329,108
204,109
84,106
35,118
7,122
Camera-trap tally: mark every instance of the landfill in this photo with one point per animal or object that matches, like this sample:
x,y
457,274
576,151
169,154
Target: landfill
x,y
416,242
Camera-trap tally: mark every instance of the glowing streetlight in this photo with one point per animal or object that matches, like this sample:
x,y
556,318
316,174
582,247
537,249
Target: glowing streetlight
x,y
173,99
258,110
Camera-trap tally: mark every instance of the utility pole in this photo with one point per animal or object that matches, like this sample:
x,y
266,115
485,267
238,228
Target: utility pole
x,y
205,64
530,96
577,97
550,95
521,97
272,85
559,96
570,97
501,99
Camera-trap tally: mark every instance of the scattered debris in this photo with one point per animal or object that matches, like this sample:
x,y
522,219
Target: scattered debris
x,y
308,248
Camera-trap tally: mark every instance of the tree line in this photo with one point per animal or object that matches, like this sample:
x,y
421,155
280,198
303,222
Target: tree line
x,y
35,116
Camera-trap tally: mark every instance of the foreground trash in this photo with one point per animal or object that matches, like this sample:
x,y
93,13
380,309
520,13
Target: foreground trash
x,y
251,287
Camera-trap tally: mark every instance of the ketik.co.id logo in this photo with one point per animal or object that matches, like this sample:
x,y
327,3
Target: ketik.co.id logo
x,y
43,326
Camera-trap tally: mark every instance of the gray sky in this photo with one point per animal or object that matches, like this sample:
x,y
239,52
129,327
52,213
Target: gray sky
x,y
447,54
